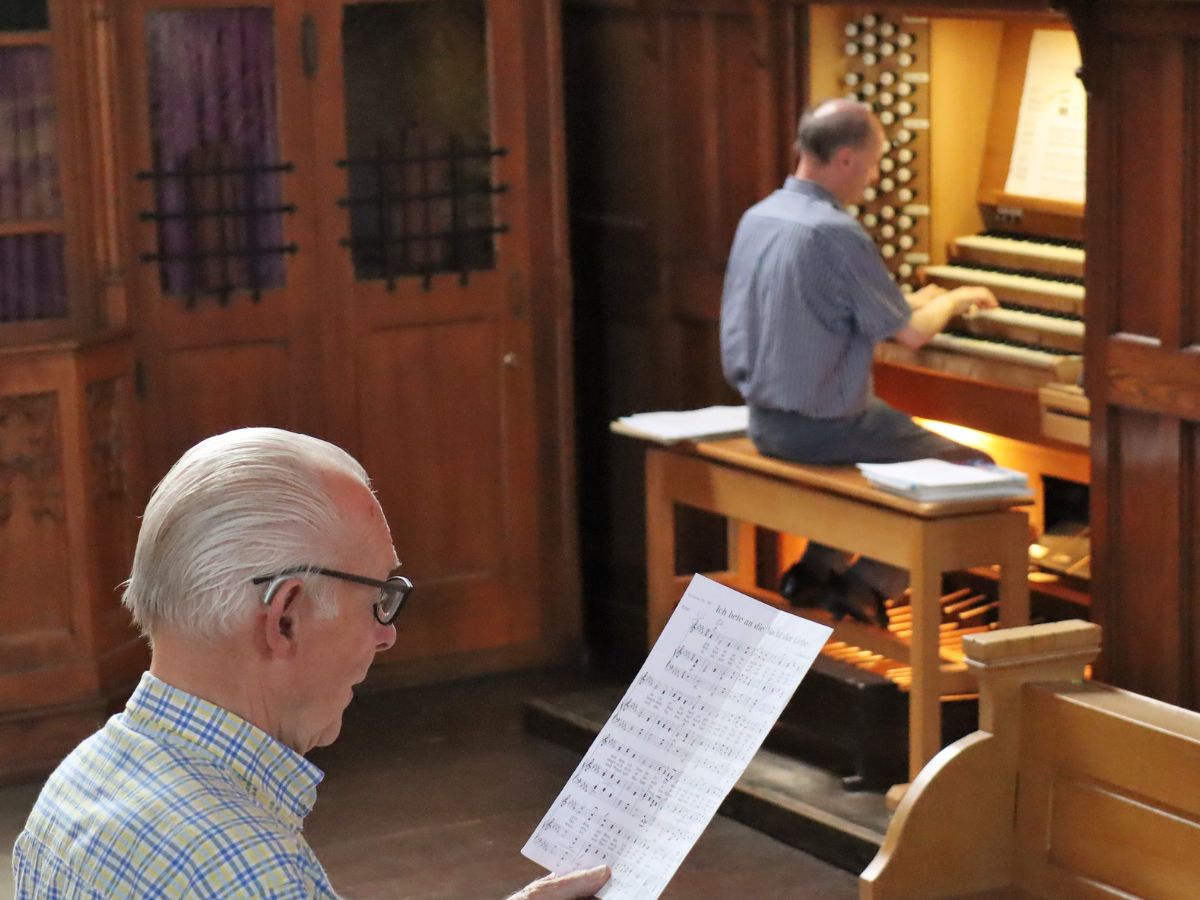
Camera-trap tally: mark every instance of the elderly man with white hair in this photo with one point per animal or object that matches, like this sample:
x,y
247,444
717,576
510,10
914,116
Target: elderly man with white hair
x,y
264,580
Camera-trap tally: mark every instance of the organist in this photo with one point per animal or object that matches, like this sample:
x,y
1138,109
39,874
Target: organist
x,y
806,299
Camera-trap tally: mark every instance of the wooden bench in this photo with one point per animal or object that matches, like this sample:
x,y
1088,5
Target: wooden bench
x,y
1069,788
836,506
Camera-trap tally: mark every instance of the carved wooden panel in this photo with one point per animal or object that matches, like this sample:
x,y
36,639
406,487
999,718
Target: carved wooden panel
x,y
110,435
69,481
33,534
107,440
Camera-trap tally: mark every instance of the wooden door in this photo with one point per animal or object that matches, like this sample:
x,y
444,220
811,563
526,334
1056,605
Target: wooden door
x,y
223,291
423,188
372,250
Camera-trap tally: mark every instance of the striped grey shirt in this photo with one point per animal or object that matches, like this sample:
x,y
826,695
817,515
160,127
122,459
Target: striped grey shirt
x,y
806,298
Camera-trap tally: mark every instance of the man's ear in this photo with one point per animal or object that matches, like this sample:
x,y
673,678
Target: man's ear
x,y
279,627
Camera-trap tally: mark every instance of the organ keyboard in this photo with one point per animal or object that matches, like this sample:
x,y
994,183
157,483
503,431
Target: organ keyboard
x,y
1007,250
1057,293
1061,367
1033,339
1055,332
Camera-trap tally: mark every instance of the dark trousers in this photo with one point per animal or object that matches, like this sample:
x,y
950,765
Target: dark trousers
x,y
880,433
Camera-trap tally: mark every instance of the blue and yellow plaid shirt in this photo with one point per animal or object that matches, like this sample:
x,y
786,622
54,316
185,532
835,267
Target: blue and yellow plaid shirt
x,y
174,797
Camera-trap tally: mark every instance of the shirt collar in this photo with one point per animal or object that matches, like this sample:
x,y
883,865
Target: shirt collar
x,y
810,189
279,777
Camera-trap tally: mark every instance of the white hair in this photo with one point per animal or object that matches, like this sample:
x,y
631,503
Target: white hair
x,y
236,506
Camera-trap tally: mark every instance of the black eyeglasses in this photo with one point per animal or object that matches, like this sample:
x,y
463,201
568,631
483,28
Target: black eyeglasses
x,y
392,592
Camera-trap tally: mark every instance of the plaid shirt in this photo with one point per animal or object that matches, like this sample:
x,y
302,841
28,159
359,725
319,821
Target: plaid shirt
x,y
174,797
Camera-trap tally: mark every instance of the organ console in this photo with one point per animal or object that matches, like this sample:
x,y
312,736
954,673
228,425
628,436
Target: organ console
x,y
980,184
947,210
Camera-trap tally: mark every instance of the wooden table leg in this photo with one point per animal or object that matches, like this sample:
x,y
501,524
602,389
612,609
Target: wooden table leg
x,y
740,555
660,546
924,696
1014,571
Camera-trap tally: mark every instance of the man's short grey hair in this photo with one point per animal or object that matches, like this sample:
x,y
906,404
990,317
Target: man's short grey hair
x,y
829,126
235,506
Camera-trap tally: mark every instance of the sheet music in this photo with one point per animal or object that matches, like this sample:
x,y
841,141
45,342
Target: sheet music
x,y
689,425
713,685
1049,157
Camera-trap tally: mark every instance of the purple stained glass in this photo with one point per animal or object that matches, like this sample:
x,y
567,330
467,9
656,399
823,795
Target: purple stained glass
x,y
29,188
33,283
213,114
32,271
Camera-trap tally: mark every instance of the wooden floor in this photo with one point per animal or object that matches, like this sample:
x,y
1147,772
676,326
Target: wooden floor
x,y
431,792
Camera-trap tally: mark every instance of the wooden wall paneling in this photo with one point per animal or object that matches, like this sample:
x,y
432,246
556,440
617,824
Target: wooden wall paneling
x,y
673,131
703,383
1149,196
549,299
1143,363
744,140
725,152
115,498
692,193
74,156
1100,230
1148,613
111,494
99,74
958,153
1190,552
614,95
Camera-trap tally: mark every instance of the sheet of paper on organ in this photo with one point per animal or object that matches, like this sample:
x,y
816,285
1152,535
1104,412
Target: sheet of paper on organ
x,y
713,685
1049,158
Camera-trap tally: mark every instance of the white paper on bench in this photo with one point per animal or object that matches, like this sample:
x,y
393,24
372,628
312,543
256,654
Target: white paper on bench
x,y
713,685
689,425
937,479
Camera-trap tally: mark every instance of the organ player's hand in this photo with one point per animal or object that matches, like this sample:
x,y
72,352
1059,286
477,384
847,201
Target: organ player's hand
x,y
973,297
917,299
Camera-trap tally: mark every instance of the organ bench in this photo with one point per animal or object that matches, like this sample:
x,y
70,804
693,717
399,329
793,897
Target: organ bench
x,y
837,506
1069,788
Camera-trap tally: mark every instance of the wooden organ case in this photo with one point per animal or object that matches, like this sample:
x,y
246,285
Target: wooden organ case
x,y
982,183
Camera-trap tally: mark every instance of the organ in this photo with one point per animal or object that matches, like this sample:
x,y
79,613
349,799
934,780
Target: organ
x,y
982,182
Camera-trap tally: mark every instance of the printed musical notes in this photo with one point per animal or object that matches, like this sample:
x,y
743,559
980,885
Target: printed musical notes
x,y
693,718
